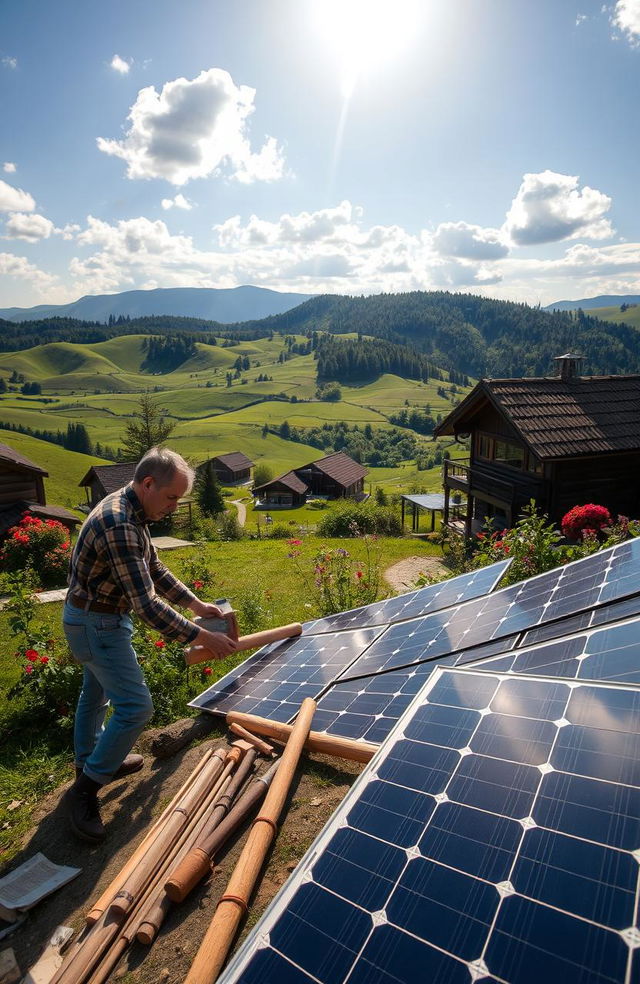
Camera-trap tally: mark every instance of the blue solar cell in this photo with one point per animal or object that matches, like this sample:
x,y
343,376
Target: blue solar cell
x,y
450,865
590,880
532,943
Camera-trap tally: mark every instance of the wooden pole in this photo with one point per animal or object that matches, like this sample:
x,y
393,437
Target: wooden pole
x,y
198,862
114,887
355,751
258,743
154,913
233,904
170,832
198,654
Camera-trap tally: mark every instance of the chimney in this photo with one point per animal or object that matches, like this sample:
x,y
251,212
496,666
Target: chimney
x,y
568,366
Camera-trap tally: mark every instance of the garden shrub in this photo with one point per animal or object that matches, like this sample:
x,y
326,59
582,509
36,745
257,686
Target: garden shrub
x,y
38,545
338,582
230,528
278,531
350,518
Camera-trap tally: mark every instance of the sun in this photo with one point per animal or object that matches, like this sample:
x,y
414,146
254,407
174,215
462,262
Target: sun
x,y
366,33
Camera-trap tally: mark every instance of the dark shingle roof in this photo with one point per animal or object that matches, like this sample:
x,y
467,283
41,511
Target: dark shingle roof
x,y
290,480
235,460
11,515
15,458
340,467
111,477
562,419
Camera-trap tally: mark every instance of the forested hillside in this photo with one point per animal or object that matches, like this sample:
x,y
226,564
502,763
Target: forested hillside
x,y
472,335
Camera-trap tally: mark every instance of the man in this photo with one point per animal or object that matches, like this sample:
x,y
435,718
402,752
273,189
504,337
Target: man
x,y
115,569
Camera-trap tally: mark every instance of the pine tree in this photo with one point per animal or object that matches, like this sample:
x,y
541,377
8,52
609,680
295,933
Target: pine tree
x,y
208,492
147,430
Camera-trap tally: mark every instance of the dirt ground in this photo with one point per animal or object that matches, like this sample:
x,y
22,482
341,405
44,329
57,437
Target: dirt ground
x,y
402,576
129,806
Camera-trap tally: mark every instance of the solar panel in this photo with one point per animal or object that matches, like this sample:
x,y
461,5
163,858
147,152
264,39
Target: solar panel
x,y
434,597
494,836
275,680
583,585
264,683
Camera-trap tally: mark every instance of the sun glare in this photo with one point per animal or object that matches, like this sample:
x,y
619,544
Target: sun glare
x,y
366,33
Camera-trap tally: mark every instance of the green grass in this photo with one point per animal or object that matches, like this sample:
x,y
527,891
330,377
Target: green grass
x,y
629,317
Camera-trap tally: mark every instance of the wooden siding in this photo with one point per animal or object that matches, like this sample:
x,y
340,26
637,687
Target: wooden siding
x,y
16,485
609,480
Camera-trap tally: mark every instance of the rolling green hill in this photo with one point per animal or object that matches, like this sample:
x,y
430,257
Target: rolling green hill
x,y
629,317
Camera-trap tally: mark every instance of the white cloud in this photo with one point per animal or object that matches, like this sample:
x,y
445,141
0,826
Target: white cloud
x,y
305,227
19,268
626,17
178,202
9,167
549,207
118,64
580,19
194,128
469,241
31,227
9,61
15,199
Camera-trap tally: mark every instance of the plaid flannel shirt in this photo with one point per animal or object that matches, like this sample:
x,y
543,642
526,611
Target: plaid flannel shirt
x,y
115,563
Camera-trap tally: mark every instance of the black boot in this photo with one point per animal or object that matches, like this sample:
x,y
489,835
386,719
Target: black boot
x,y
83,810
132,763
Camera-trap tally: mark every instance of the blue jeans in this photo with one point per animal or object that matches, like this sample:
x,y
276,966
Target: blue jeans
x,y
112,675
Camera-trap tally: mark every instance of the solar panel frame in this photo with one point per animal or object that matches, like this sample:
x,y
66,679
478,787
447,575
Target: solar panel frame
x,y
474,905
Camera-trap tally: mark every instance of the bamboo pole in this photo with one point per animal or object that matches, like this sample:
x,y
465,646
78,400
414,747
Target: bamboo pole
x,y
355,751
198,862
233,904
175,824
115,885
128,929
198,654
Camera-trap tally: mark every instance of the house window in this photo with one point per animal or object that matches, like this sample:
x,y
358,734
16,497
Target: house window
x,y
485,447
509,454
534,464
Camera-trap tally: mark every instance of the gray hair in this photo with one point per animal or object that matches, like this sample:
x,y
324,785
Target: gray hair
x,y
162,465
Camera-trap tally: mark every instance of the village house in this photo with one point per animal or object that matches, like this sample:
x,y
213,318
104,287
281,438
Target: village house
x,y
232,468
563,441
334,476
22,489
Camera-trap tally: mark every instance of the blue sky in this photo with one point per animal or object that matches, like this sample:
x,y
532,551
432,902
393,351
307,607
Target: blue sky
x,y
343,146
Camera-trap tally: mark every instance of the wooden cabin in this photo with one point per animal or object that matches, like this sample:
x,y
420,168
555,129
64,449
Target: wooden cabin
x,y
101,480
232,468
287,490
563,441
335,476
22,490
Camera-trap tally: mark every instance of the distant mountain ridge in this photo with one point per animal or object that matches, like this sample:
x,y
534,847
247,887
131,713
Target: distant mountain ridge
x,y
224,305
588,303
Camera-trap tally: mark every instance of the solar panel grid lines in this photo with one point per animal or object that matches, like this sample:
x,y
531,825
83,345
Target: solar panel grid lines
x,y
263,683
494,836
577,588
434,597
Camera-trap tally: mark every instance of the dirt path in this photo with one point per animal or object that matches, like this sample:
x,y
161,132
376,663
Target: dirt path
x,y
402,576
128,809
242,510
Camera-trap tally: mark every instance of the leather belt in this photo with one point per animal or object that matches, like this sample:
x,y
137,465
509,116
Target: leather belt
x,y
93,606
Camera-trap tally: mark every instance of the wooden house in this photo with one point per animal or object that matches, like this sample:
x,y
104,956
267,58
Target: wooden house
x,y
287,490
563,441
101,480
22,489
334,476
232,468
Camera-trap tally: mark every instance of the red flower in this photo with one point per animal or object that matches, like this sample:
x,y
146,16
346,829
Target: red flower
x,y
294,543
207,671
32,655
198,584
28,669
358,574
159,644
44,660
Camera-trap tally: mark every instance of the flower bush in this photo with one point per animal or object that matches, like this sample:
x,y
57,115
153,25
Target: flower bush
x,y
38,545
50,679
583,519
532,546
337,581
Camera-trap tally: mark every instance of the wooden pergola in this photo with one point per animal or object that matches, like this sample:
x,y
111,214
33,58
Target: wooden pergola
x,y
432,501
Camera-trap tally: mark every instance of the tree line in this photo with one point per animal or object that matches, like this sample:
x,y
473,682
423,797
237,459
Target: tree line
x,y
346,360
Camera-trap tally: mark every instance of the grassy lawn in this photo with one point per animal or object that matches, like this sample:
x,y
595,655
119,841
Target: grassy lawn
x,y
259,579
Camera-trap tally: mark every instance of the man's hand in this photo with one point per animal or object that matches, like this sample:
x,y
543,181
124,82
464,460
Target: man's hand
x,y
203,609
216,643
